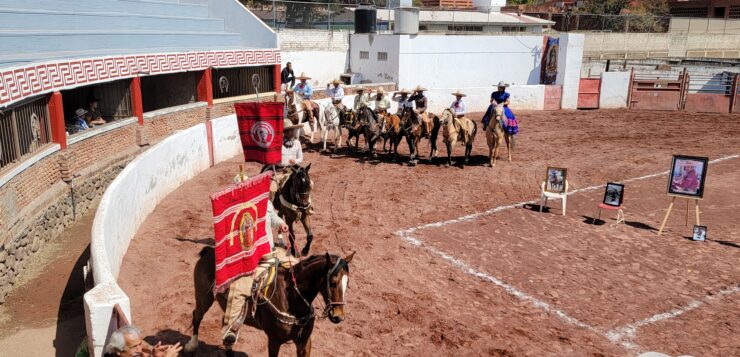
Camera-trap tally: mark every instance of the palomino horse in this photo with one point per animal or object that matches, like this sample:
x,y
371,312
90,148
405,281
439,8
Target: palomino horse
x,y
331,121
454,130
298,112
495,135
284,310
293,203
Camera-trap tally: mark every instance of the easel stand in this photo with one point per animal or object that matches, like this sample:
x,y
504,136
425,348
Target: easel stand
x,y
670,207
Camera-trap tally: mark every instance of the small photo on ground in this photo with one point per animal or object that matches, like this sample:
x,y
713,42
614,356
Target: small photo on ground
x,y
614,194
700,233
555,181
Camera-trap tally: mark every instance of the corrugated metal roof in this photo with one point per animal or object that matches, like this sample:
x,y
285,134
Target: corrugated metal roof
x,y
471,17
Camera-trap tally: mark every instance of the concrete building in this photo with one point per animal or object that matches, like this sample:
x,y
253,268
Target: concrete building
x,y
473,21
722,9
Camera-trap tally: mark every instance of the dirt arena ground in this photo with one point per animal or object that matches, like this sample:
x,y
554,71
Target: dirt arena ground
x,y
504,280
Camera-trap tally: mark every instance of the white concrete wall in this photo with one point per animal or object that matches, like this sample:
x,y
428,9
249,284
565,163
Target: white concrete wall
x,y
570,58
371,70
614,89
130,198
226,141
321,66
530,97
439,61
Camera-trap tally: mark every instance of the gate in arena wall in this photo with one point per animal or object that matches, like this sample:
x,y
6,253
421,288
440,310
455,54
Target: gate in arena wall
x,y
657,91
707,93
588,93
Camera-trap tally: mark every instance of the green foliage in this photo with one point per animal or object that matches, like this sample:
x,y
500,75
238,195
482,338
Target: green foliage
x,y
605,7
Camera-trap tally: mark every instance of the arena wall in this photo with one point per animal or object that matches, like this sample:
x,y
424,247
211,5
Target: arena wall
x,y
614,89
570,59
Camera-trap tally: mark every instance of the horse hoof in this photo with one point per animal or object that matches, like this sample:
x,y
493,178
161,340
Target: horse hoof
x,y
191,346
305,250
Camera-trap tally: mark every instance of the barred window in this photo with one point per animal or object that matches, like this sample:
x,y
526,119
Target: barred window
x,y
364,55
469,28
382,56
114,100
24,128
734,12
234,82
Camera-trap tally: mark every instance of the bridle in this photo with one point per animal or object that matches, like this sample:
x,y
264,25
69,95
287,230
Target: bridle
x,y
329,304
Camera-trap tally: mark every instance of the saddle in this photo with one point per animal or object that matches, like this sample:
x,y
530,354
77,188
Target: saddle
x,y
262,282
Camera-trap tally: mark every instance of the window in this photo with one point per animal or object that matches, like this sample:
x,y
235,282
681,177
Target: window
x,y
114,100
24,129
234,82
734,12
514,29
468,28
382,56
168,90
364,55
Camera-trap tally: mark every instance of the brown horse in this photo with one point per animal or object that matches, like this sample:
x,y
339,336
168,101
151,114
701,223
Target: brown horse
x,y
284,310
293,203
297,116
495,135
454,130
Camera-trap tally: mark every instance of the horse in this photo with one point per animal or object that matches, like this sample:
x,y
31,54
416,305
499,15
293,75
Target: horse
x,y
331,121
284,309
354,129
298,112
405,126
454,130
293,203
371,128
495,135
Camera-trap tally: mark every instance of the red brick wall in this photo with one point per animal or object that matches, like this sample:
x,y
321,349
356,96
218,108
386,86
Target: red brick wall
x,y
104,146
163,126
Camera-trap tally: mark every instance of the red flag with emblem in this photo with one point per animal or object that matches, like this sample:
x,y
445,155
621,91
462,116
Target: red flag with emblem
x,y
239,225
261,131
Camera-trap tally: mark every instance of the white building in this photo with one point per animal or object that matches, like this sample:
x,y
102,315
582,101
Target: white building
x,y
473,20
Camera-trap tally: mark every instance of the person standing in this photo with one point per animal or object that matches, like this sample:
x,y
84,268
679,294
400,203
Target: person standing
x,y
501,97
287,77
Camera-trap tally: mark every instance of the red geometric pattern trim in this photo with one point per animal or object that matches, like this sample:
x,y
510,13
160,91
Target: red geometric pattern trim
x,y
23,82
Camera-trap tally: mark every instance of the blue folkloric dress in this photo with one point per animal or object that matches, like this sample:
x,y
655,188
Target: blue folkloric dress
x,y
511,126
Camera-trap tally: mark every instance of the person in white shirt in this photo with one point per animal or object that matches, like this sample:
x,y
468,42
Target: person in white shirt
x,y
382,103
404,102
458,106
362,99
292,153
336,93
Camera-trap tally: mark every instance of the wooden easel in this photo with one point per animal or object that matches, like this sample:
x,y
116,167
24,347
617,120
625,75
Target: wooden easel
x,y
670,207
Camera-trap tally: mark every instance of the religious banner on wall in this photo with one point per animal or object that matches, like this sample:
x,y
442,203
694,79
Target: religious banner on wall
x,y
239,226
261,131
550,61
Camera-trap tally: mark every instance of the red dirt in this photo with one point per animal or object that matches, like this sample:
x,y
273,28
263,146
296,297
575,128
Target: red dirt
x,y
404,300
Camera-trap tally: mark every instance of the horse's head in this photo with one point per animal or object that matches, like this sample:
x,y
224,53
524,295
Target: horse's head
x,y
447,116
498,111
301,185
336,280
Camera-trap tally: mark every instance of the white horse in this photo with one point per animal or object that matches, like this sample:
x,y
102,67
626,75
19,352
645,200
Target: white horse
x,y
330,120
299,114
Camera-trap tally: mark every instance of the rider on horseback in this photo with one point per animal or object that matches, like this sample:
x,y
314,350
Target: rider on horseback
x,y
404,102
420,100
305,91
336,93
458,107
382,103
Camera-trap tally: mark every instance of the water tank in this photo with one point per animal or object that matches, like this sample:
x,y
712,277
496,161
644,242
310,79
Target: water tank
x,y
366,19
406,20
489,5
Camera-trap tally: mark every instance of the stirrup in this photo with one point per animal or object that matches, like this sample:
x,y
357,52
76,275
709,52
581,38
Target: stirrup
x,y
230,338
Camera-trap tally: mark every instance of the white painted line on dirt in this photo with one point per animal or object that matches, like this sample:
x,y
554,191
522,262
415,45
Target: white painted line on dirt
x,y
624,335
620,336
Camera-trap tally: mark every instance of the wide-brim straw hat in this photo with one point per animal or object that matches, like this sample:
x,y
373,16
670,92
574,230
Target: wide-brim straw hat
x,y
419,89
460,94
288,125
336,81
380,90
403,91
360,89
80,112
502,84
303,76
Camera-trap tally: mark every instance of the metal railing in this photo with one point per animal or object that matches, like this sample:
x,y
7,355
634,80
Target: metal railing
x,y
24,129
304,14
566,22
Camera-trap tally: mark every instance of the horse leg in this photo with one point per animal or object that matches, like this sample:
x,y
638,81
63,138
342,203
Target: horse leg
x,y
273,348
306,221
433,140
449,145
508,147
291,236
203,301
412,145
303,349
324,137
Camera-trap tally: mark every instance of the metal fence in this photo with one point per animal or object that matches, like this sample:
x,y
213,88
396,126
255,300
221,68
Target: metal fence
x,y
303,14
565,22
234,82
24,129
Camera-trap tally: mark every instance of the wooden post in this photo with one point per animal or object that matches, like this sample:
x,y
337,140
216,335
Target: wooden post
x,y
697,212
733,92
137,106
687,212
632,88
56,118
665,219
205,88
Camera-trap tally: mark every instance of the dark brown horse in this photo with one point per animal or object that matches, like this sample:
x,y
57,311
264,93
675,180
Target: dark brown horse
x,y
407,127
285,311
293,203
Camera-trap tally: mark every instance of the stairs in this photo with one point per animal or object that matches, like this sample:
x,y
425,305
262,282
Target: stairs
x,y
41,30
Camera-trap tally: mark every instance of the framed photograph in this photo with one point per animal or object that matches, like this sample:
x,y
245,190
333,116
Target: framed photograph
x,y
687,176
555,180
700,233
614,194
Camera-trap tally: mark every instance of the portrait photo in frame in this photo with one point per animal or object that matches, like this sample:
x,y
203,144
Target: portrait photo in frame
x,y
614,194
700,233
687,177
555,179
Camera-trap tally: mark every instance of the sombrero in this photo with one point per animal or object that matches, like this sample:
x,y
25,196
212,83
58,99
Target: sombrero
x,y
404,91
288,125
502,84
360,89
419,89
303,76
336,81
458,93
380,90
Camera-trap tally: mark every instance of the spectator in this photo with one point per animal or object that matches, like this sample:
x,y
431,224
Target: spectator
x,y
127,342
93,116
79,123
287,76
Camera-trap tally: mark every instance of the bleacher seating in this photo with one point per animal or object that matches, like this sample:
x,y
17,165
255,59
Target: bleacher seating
x,y
42,30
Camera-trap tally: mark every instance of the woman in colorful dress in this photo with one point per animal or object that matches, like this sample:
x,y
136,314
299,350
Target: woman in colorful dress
x,y
501,97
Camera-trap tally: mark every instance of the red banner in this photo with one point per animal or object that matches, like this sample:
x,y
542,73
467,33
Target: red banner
x,y
239,225
261,131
